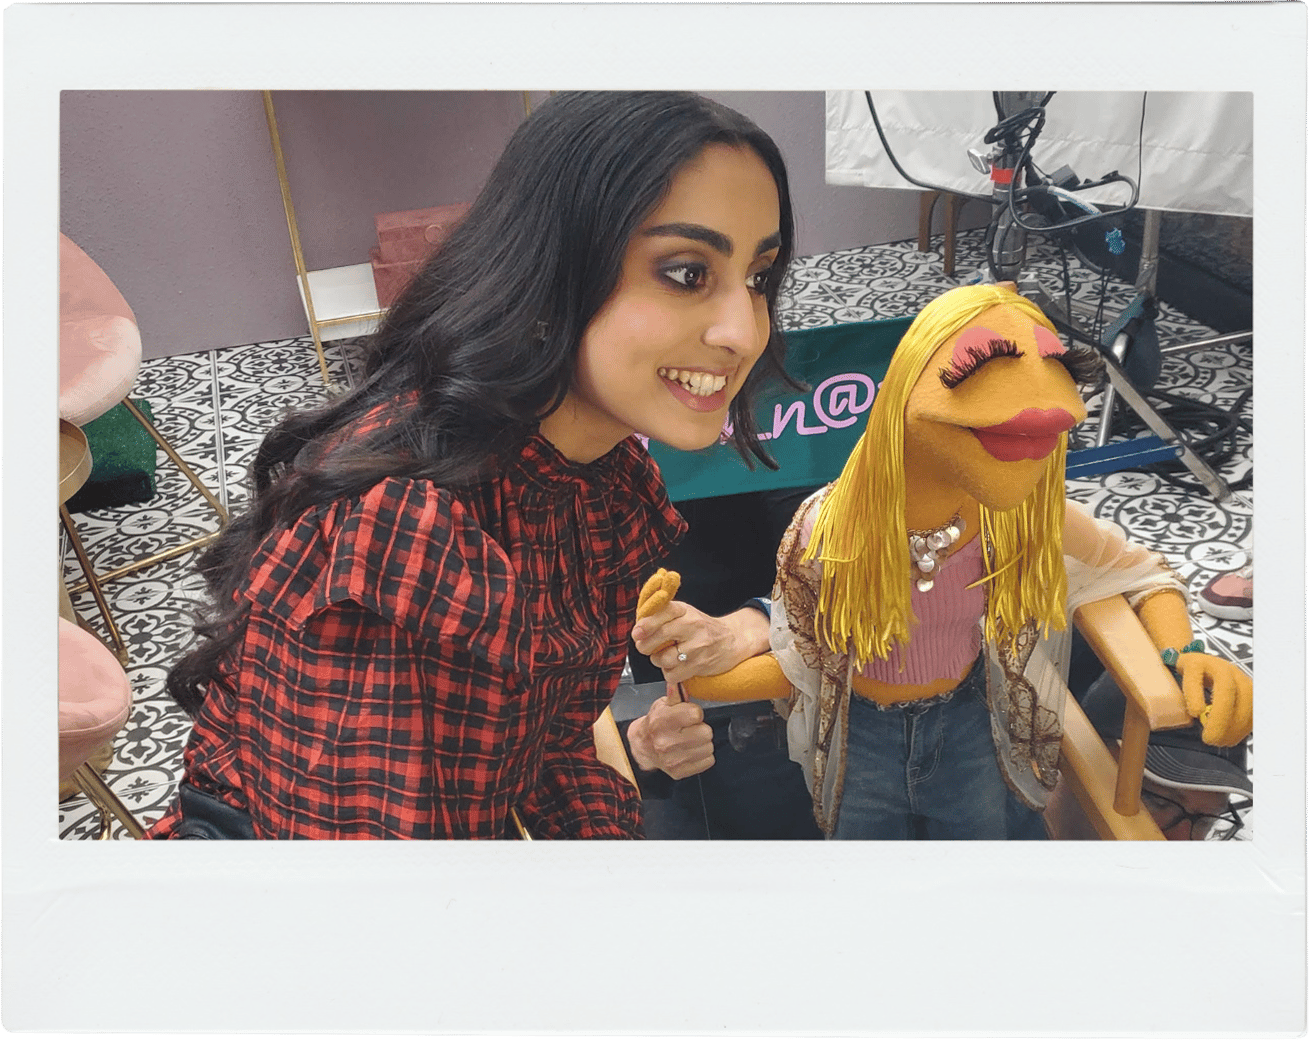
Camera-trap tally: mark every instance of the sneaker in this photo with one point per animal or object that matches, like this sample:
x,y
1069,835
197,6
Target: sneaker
x,y
1230,595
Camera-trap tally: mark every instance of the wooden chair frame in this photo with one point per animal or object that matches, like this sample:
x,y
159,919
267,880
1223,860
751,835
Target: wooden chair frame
x,y
1106,782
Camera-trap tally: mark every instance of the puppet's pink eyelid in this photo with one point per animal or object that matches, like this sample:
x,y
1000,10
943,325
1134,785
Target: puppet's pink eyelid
x,y
972,342
1048,345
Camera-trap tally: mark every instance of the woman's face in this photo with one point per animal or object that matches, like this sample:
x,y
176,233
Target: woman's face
x,y
688,319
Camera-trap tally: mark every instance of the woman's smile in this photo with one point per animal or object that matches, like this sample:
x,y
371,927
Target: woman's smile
x,y
703,390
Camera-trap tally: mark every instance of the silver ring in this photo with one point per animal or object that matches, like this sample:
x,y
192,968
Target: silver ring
x,y
681,656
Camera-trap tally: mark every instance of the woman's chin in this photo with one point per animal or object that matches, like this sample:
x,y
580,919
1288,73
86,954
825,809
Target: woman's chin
x,y
688,440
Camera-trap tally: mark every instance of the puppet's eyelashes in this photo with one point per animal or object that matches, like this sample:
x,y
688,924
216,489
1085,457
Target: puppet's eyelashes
x,y
974,357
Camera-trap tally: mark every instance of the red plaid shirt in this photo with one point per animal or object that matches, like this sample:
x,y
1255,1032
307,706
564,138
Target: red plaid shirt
x,y
417,661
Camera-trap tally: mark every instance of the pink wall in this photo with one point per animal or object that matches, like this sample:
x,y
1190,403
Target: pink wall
x,y
175,193
827,216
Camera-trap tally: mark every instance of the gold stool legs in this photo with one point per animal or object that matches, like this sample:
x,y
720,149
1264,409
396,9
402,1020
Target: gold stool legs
x,y
171,452
109,804
94,581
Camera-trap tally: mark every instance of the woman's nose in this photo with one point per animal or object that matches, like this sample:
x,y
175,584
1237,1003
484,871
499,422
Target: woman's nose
x,y
738,323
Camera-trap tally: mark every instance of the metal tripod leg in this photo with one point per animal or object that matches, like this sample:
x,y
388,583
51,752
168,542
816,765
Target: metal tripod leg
x,y
1161,427
109,804
1147,277
1110,395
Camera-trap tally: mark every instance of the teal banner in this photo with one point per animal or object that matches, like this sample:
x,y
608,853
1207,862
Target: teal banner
x,y
809,434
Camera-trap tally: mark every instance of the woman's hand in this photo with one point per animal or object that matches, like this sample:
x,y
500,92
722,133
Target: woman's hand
x,y
1228,715
673,737
711,645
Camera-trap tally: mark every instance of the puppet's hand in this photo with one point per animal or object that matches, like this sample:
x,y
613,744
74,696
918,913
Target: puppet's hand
x,y
657,593
1227,713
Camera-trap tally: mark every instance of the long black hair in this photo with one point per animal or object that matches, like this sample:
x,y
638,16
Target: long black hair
x,y
483,343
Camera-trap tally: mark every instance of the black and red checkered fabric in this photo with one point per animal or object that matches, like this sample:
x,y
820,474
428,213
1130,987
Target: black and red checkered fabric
x,y
418,661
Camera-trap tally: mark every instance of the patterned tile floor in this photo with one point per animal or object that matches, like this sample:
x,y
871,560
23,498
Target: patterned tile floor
x,y
214,407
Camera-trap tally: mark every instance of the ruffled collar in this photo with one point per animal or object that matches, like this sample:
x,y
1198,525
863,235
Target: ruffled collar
x,y
542,465
621,495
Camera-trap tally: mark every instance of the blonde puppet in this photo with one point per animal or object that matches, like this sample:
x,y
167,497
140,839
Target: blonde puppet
x,y
920,618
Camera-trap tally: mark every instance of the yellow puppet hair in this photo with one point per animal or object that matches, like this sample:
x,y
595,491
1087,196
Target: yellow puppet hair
x,y
860,535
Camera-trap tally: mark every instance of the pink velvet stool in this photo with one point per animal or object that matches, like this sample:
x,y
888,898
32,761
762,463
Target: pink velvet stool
x,y
95,697
99,342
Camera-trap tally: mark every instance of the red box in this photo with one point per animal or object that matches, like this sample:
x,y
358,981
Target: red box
x,y
408,235
391,279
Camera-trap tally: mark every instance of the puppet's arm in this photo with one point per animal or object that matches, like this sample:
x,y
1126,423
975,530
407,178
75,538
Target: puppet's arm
x,y
1227,713
755,679
1228,710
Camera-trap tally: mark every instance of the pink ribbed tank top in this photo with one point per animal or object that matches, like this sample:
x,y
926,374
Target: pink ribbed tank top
x,y
947,638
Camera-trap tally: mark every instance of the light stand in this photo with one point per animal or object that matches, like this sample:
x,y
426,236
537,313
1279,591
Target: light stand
x,y
1006,241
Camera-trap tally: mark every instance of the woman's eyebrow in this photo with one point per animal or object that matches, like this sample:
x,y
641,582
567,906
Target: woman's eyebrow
x,y
716,240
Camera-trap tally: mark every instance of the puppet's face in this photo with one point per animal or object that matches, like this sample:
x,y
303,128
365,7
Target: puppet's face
x,y
989,407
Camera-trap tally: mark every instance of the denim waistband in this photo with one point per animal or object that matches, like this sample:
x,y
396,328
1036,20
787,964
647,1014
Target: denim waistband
x,y
972,685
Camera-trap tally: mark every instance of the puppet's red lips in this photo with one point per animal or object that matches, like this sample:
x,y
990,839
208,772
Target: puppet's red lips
x,y
1032,434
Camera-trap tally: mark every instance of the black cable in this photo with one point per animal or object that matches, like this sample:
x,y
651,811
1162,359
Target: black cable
x,y
1097,328
868,96
1038,117
1068,283
1216,443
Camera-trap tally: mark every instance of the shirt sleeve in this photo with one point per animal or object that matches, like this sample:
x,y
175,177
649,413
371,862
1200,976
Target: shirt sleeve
x,y
456,588
578,796
1100,561
431,726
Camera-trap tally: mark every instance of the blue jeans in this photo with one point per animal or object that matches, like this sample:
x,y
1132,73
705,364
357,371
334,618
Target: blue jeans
x,y
929,772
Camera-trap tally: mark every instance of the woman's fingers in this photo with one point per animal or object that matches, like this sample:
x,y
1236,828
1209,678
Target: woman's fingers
x,y
680,742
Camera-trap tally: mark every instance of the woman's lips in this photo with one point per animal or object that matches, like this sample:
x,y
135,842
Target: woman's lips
x,y
1032,434
697,389
695,402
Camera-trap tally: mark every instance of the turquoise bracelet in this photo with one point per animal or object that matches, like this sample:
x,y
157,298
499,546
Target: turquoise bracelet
x,y
1171,654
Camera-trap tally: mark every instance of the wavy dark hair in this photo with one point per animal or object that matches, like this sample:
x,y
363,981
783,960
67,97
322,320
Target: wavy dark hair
x,y
483,343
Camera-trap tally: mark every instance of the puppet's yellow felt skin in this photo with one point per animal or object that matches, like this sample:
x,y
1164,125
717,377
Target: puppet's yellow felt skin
x,y
755,679
1218,693
948,466
657,593
1020,404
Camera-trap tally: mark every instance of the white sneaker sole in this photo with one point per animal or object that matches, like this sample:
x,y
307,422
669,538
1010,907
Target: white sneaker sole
x,y
1231,614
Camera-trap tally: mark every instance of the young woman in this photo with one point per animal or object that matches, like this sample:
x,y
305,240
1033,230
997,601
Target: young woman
x,y
428,604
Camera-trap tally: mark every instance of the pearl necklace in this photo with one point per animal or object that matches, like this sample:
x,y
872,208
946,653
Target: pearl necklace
x,y
928,548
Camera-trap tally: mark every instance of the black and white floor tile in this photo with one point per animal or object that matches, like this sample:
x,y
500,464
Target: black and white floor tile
x,y
214,407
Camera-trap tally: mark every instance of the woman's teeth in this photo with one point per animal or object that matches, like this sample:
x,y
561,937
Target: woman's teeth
x,y
701,384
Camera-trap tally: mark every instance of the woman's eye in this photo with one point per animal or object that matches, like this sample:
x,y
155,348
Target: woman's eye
x,y
759,281
688,276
